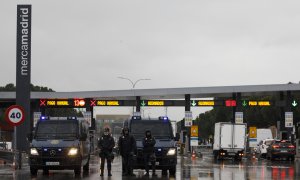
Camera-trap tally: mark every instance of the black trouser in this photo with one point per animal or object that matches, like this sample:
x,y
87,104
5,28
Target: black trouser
x,y
108,159
127,161
146,163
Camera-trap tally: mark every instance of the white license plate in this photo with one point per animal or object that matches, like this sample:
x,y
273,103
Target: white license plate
x,y
52,163
283,151
157,163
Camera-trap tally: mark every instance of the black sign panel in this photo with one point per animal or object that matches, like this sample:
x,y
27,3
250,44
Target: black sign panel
x,y
158,103
63,103
112,103
23,72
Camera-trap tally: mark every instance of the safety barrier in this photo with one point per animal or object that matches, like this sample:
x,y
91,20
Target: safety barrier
x,y
11,157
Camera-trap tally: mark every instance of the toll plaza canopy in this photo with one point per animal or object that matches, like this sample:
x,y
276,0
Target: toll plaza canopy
x,y
165,93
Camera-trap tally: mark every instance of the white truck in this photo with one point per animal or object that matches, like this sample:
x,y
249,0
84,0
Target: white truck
x,y
229,140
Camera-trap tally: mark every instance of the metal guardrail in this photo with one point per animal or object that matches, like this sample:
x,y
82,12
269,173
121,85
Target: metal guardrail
x,y
12,157
8,156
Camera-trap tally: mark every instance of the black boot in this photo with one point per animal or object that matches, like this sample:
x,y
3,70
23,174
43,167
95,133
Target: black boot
x,y
109,173
153,172
101,172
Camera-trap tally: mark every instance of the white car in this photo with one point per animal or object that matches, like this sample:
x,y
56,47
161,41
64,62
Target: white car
x,y
262,147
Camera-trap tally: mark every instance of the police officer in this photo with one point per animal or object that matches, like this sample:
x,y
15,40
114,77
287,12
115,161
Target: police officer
x,y
149,152
127,147
106,145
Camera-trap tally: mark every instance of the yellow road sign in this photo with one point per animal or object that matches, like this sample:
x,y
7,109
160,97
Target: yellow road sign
x,y
252,132
194,131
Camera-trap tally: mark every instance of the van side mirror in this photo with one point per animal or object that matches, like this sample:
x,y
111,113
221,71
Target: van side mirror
x,y
83,137
177,137
29,137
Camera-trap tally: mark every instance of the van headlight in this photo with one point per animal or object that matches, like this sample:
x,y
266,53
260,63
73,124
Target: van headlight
x,y
73,151
171,152
34,152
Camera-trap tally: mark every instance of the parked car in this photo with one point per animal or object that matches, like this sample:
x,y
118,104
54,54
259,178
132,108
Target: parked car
x,y
281,149
262,147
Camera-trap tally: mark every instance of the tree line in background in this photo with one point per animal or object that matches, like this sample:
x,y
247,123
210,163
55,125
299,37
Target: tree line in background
x,y
54,112
260,117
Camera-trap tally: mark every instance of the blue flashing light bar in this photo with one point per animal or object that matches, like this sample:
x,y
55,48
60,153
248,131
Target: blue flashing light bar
x,y
136,117
72,118
164,118
42,118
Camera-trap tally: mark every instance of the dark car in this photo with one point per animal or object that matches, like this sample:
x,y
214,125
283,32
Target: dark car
x,y
59,144
281,149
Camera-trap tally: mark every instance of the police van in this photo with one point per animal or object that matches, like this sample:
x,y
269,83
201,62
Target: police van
x,y
165,147
59,143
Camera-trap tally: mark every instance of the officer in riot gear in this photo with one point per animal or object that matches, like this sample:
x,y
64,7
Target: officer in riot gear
x,y
149,152
106,144
127,148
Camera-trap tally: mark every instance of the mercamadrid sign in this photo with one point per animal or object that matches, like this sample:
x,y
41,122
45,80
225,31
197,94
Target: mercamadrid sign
x,y
23,72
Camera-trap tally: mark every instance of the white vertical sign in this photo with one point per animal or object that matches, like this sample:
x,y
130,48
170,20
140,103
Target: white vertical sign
x,y
289,119
88,117
188,120
36,117
239,117
194,141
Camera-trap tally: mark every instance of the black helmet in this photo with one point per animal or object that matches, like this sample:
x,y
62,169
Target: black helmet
x,y
148,133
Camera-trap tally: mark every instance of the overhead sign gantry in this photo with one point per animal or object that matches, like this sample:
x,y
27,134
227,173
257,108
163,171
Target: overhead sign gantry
x,y
81,103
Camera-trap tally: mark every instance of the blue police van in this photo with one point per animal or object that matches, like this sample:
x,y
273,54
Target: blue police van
x,y
165,147
59,143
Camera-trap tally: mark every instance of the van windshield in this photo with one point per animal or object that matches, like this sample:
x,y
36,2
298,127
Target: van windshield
x,y
59,129
159,129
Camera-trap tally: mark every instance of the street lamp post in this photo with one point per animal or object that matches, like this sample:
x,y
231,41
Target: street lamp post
x,y
133,83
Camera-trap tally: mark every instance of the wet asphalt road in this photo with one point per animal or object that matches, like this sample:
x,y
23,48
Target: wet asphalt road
x,y
187,168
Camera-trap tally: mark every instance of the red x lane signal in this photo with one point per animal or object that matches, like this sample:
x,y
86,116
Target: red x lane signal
x,y
93,103
42,102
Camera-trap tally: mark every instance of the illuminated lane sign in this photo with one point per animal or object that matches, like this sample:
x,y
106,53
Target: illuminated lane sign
x,y
156,103
62,103
162,103
108,103
112,103
246,103
79,102
58,103
230,103
206,103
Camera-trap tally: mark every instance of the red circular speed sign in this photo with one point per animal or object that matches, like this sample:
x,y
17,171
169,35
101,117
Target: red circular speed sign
x,y
15,115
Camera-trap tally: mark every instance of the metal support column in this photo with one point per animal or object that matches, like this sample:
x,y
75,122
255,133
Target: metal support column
x,y
288,108
188,108
233,108
187,102
138,104
282,130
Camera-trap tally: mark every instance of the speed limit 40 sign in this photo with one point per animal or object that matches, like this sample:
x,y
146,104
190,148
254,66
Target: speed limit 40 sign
x,y
15,115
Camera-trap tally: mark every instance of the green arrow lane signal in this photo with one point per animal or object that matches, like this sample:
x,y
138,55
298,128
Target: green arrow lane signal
x,y
194,103
294,103
143,103
244,103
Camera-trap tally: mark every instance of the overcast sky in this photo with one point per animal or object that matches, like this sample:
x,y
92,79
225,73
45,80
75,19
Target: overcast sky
x,y
86,45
